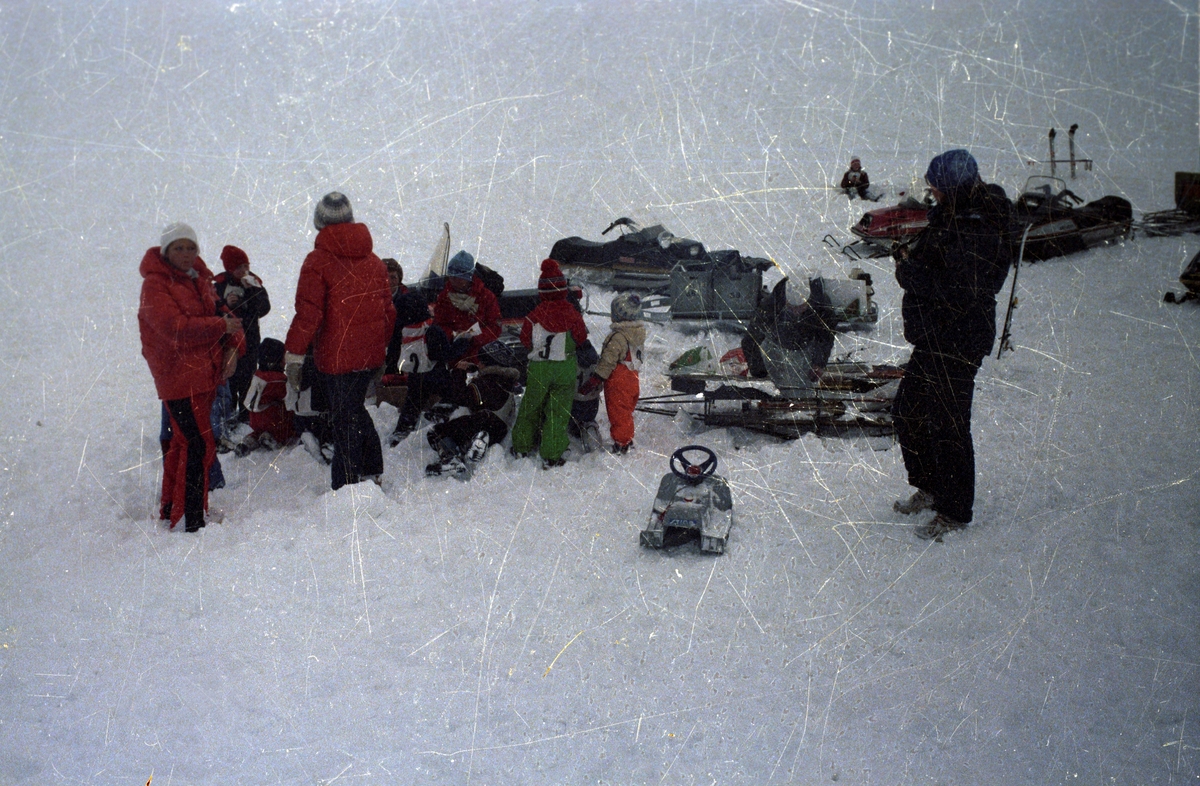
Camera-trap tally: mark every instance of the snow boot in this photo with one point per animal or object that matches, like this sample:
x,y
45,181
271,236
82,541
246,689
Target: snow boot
x,y
478,447
451,465
939,526
620,450
194,521
314,447
919,501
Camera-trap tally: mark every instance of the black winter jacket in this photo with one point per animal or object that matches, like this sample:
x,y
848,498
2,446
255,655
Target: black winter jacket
x,y
953,271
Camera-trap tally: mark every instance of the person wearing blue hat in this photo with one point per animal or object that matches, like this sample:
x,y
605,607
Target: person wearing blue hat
x,y
950,275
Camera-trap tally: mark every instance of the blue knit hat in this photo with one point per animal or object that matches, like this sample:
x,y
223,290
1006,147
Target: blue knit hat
x,y
462,265
952,169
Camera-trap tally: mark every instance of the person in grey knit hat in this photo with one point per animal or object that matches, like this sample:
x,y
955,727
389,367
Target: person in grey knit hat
x,y
334,208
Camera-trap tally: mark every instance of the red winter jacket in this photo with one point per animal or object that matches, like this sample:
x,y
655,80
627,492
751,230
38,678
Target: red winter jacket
x,y
183,339
481,307
556,315
343,303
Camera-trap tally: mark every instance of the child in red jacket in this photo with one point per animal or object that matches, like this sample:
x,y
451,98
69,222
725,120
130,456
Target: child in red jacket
x,y
270,418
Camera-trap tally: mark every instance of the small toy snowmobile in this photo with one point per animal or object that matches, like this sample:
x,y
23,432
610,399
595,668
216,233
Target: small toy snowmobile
x,y
692,497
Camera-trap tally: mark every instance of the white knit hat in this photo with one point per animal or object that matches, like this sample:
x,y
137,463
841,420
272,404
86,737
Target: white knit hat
x,y
177,231
334,208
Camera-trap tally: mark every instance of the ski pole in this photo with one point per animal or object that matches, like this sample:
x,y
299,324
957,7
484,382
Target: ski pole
x,y
1012,296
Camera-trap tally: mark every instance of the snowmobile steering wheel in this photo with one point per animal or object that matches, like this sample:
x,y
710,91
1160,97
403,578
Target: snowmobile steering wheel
x,y
689,472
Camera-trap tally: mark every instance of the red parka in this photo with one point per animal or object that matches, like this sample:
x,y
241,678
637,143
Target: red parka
x,y
455,312
183,339
343,303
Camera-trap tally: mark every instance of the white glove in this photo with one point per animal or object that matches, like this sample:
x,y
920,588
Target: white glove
x,y
470,332
293,364
251,280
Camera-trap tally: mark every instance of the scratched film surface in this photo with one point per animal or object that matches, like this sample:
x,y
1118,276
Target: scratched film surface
x,y
511,629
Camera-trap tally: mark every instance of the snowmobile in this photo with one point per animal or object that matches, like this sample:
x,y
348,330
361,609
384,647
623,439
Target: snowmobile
x,y
692,500
780,381
1059,226
878,231
690,281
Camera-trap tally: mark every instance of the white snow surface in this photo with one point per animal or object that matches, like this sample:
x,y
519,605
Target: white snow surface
x,y
511,629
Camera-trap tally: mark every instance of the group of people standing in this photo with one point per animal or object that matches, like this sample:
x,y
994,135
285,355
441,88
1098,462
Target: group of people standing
x,y
354,319
195,339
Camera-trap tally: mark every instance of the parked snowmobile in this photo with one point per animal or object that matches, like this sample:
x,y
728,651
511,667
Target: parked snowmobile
x,y
692,500
640,258
787,347
1059,227
878,231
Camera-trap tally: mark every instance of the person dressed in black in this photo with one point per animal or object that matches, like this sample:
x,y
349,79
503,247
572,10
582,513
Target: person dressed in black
x,y
950,276
855,180
790,337
244,295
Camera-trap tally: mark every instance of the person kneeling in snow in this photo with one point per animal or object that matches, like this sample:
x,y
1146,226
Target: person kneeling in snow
x,y
272,422
855,180
463,441
790,337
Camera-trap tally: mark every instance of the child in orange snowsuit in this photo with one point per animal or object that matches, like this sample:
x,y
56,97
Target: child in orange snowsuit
x,y
620,361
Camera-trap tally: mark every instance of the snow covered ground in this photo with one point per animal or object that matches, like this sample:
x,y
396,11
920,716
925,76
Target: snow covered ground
x,y
511,630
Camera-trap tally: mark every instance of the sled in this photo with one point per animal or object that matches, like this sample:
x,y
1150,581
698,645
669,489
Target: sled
x,y
692,502
1185,217
846,398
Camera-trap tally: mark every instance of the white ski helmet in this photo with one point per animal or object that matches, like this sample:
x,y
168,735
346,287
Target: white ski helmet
x,y
626,307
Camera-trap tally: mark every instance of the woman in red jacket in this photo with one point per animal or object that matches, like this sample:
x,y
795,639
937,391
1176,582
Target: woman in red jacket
x,y
344,311
190,349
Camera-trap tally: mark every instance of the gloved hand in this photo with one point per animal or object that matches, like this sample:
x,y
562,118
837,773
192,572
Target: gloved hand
x,y
593,382
251,280
293,364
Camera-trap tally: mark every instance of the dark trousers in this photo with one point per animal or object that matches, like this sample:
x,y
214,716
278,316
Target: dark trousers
x,y
186,464
424,390
357,453
932,413
462,430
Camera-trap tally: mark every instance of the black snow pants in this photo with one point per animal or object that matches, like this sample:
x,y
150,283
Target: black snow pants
x,y
932,413
357,454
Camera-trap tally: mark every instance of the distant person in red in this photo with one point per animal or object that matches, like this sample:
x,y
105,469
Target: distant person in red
x,y
191,348
344,312
855,181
